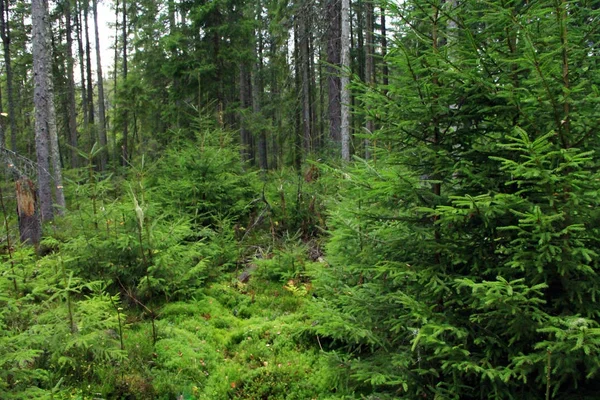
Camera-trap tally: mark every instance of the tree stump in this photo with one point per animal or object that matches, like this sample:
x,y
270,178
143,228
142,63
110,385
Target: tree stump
x,y
29,223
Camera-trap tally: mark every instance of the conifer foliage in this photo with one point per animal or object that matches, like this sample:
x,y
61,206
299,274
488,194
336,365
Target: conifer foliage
x,y
463,263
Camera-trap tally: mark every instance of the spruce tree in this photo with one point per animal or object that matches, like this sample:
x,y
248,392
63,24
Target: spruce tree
x,y
463,264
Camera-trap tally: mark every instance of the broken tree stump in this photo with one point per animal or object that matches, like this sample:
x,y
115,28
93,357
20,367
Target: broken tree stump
x,y
29,223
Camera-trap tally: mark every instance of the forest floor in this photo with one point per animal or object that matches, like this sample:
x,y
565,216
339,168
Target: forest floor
x,y
232,340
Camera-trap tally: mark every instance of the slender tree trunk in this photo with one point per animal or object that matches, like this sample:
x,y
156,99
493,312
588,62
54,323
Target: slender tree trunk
x,y
52,130
369,68
257,89
88,57
384,71
298,134
71,107
115,83
276,96
360,37
171,5
101,111
41,97
311,93
345,80
81,53
305,70
5,34
333,72
244,134
125,114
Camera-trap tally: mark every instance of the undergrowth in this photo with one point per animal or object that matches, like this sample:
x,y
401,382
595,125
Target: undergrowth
x,y
185,279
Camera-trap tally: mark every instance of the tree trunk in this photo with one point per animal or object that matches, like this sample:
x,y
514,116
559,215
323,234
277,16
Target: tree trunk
x,y
257,90
125,114
245,143
345,80
29,223
360,37
305,70
101,111
81,53
369,68
312,93
115,83
5,34
88,57
384,71
59,195
41,97
297,115
333,73
71,107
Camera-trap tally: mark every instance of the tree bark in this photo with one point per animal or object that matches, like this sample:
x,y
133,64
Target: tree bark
x,y
5,34
245,139
71,107
81,53
125,114
115,83
345,80
257,90
297,115
305,70
59,195
88,57
41,61
369,68
384,71
101,111
29,223
333,71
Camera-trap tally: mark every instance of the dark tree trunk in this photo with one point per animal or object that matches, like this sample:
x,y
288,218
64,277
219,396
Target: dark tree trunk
x,y
115,83
245,138
5,34
101,112
333,73
71,110
88,56
125,113
81,54
305,68
369,67
384,71
30,231
298,115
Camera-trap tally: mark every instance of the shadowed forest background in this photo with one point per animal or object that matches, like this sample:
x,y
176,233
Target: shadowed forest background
x,y
300,200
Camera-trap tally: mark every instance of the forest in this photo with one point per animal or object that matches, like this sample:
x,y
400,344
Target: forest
x,y
300,199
